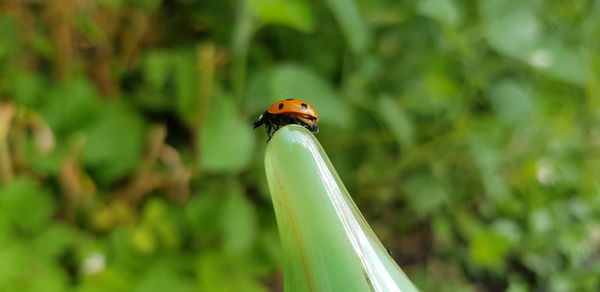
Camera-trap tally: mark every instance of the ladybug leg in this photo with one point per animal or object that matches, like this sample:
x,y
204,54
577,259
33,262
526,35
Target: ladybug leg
x,y
272,129
270,134
268,129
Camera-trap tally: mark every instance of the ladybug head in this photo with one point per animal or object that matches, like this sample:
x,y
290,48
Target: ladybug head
x,y
259,122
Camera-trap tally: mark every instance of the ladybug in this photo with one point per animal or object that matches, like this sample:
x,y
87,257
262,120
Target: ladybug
x,y
288,111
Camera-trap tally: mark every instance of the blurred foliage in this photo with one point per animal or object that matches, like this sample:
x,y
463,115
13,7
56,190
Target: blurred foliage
x,y
467,132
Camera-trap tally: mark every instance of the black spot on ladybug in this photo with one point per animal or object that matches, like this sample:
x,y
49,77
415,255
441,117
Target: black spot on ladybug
x,y
288,99
280,105
304,106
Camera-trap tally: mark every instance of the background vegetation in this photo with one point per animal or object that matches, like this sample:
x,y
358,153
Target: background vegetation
x,y
467,132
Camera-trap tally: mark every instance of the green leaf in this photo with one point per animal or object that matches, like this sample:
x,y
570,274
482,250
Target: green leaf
x,y
296,81
114,142
46,163
9,36
215,272
558,61
21,269
146,5
143,239
14,260
186,79
156,67
211,267
508,229
202,210
162,277
489,249
71,106
540,221
327,244
89,28
48,277
355,31
226,143
517,285
293,13
487,158
157,93
397,120
27,88
55,240
512,28
108,280
444,11
27,205
258,96
512,102
239,222
270,245
424,194
125,254
154,211
162,221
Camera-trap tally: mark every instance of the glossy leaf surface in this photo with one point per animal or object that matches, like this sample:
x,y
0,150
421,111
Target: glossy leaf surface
x,y
327,244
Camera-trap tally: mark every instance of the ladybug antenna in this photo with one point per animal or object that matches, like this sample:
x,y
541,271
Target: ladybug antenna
x,y
287,93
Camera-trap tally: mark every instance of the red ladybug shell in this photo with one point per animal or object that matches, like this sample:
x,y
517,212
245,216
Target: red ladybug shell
x,y
295,107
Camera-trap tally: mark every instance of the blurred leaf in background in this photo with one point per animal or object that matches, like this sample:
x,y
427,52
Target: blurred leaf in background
x,y
226,142
294,13
467,133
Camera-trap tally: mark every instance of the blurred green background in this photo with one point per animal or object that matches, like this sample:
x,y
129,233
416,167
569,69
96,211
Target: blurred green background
x,y
468,133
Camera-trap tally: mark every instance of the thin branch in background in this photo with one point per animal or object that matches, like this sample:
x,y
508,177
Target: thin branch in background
x,y
146,179
140,30
97,47
75,183
206,56
59,16
242,34
6,115
178,184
